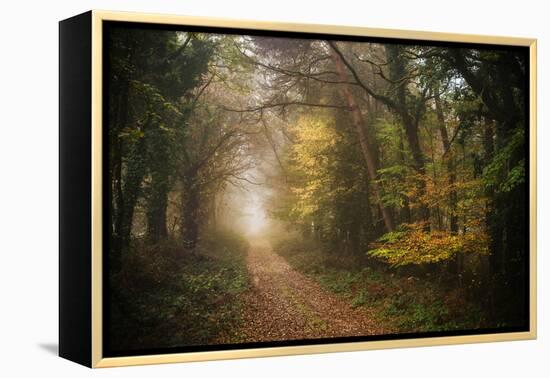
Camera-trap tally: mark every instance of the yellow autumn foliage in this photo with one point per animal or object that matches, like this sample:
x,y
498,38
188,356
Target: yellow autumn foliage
x,y
312,158
414,245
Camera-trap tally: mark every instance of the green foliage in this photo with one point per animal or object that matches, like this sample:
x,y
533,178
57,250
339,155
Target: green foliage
x,y
338,282
169,298
400,303
360,299
444,139
393,178
500,174
409,314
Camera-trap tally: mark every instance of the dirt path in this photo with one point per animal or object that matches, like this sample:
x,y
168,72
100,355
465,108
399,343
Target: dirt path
x,y
283,304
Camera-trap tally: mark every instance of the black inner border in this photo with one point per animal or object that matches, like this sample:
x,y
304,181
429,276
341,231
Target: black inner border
x,y
107,25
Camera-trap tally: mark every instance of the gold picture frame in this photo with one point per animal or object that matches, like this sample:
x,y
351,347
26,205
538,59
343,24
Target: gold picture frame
x,y
96,18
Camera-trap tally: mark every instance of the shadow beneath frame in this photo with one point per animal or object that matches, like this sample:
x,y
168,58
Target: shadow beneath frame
x,y
52,348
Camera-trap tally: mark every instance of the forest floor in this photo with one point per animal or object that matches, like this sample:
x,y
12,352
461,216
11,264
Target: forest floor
x,y
284,304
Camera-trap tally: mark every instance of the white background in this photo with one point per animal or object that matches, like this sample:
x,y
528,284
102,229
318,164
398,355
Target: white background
x,y
29,174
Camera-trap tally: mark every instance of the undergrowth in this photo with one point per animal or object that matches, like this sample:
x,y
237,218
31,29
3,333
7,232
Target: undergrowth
x,y
165,297
403,303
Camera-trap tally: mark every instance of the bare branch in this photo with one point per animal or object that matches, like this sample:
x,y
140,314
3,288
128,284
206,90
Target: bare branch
x,y
377,96
283,104
182,48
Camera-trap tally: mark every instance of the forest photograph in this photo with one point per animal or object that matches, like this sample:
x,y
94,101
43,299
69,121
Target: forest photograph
x,y
270,187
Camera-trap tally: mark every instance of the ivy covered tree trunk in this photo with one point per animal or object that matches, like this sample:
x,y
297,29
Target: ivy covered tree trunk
x,y
451,172
160,171
450,164
398,77
135,171
156,210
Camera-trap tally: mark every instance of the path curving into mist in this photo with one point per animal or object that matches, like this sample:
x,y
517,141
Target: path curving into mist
x,y
283,304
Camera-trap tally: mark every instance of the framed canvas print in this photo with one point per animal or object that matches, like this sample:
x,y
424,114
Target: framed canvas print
x,y
235,189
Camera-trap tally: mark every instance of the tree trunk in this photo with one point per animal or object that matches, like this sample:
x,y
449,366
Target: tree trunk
x,y
131,191
119,121
190,211
156,212
359,124
410,124
451,169
406,209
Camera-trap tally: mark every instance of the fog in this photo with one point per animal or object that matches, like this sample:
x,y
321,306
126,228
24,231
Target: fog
x,y
247,203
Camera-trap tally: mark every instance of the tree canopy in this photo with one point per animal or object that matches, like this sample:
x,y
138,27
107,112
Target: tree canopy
x,y
412,156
